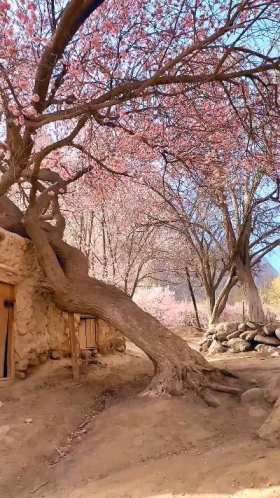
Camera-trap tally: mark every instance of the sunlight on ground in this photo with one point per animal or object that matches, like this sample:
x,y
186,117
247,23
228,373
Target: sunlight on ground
x,y
271,492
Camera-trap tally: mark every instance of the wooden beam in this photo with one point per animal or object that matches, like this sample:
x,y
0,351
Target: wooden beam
x,y
75,348
11,343
7,369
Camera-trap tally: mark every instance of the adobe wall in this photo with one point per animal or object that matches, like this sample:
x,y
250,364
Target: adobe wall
x,y
39,325
109,338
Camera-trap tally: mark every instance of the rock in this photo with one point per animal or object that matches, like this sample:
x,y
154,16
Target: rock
x,y
270,341
43,357
224,332
272,391
33,359
86,354
28,421
21,375
254,381
55,355
22,365
22,331
256,402
242,327
277,333
270,430
221,335
211,330
268,329
257,412
243,335
203,348
275,354
248,336
226,327
233,335
239,345
256,394
216,347
121,347
251,325
4,429
1,404
264,349
211,400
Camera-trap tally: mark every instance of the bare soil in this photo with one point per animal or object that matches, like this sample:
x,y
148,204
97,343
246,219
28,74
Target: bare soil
x,y
100,439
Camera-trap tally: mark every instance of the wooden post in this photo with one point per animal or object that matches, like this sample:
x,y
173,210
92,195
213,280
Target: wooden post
x,y
75,349
11,339
96,334
7,367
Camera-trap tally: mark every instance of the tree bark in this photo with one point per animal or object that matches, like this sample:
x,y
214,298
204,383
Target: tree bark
x,y
255,307
222,300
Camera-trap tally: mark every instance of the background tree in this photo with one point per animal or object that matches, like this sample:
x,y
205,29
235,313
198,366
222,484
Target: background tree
x,y
271,293
220,198
121,249
188,212
251,227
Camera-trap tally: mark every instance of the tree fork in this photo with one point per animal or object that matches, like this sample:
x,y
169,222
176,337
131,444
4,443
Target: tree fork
x,y
178,368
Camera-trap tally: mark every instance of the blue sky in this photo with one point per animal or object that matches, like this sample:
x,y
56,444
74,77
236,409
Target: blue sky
x,y
274,259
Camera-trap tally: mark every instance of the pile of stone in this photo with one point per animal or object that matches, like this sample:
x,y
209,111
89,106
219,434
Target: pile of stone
x,y
33,359
237,337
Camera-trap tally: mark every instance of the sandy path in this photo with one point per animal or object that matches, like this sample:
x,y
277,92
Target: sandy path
x,y
134,448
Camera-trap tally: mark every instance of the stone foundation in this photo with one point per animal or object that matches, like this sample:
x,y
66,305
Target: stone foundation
x,y
109,338
239,337
39,326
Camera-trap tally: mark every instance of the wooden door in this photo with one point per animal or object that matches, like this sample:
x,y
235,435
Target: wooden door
x,y
87,332
82,334
6,336
90,333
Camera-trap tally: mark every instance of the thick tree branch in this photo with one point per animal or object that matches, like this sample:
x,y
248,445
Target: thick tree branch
x,y
73,17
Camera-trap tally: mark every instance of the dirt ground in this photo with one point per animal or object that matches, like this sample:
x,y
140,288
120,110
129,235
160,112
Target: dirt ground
x,y
99,439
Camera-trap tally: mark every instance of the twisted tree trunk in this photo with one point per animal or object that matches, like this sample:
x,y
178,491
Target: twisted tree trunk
x,y
177,367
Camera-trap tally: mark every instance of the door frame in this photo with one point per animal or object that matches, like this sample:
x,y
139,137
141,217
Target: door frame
x,y
11,336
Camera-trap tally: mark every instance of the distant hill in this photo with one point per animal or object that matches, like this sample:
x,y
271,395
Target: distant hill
x,y
266,272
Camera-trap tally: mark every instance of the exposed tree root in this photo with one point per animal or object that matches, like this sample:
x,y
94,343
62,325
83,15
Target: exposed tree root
x,y
228,373
175,381
223,389
209,399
